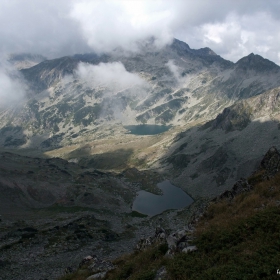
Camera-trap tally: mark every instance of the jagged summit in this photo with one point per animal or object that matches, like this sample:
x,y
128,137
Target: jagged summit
x,y
182,46
206,51
257,63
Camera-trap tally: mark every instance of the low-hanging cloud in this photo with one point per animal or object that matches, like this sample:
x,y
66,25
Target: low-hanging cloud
x,y
113,76
176,71
116,82
12,86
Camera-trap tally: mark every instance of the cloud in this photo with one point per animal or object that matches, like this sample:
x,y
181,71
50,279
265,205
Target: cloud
x,y
117,82
110,24
176,71
238,36
113,76
58,28
42,27
12,87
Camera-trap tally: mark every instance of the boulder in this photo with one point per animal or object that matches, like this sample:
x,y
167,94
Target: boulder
x,y
97,265
100,275
85,261
189,249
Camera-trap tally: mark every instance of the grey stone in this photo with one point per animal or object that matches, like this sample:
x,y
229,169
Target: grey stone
x,y
100,275
189,249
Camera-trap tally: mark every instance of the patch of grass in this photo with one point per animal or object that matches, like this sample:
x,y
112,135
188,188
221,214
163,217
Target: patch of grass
x,y
81,274
249,249
56,208
139,265
137,214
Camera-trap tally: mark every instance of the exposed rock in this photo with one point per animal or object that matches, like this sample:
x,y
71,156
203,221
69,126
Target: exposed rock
x,y
68,270
100,275
240,186
99,265
179,240
161,274
85,261
144,243
159,237
236,117
180,160
270,163
189,249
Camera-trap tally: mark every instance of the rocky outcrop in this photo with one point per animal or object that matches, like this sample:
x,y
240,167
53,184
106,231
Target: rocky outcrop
x,y
236,117
268,167
178,241
96,266
270,163
240,186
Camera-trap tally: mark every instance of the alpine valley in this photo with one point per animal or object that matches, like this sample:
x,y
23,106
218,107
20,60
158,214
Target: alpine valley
x,y
71,169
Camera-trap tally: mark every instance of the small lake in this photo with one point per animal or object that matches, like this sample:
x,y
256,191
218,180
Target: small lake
x,y
146,129
151,204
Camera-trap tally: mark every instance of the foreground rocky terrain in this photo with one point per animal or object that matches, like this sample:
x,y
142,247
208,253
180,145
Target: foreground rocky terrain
x,y
232,237
55,212
70,169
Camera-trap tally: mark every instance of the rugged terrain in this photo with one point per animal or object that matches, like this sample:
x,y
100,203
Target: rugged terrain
x,y
70,170
237,237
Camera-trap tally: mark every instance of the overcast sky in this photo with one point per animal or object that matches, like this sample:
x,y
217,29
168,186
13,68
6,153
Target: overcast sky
x,y
231,28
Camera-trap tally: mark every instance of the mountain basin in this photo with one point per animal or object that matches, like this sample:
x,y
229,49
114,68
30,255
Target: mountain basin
x,y
151,204
146,129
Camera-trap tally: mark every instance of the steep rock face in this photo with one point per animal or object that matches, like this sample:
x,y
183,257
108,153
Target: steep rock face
x,y
239,115
270,164
48,72
227,148
236,117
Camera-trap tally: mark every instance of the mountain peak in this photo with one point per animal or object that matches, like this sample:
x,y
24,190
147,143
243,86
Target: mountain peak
x,y
182,46
205,51
256,62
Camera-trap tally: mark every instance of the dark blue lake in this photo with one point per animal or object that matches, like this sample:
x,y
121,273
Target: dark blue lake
x,y
151,204
146,129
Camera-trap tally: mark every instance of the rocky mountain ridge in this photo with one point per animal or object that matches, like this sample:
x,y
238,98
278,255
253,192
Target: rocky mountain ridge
x,y
69,166
182,85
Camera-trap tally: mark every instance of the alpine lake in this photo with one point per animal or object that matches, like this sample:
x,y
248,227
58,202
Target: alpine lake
x,y
151,204
146,129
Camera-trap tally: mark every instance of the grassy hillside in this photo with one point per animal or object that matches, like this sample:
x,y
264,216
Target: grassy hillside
x,y
237,238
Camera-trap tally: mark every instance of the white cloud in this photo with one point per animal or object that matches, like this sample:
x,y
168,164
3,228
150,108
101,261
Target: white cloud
x,y
56,28
42,27
116,80
110,24
113,76
238,36
176,71
12,88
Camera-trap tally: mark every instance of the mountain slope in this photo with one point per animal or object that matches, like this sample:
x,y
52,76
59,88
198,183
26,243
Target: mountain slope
x,y
205,160
236,237
175,85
